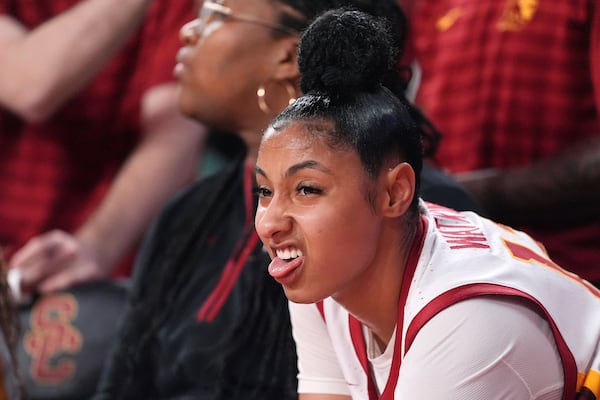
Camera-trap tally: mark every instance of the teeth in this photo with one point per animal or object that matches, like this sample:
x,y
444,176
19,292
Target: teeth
x,y
288,254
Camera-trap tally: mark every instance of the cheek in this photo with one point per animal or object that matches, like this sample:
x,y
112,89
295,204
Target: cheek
x,y
205,72
257,222
206,88
340,251
225,84
343,234
209,59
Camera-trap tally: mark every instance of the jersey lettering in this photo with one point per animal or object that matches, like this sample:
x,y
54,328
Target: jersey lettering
x,y
458,231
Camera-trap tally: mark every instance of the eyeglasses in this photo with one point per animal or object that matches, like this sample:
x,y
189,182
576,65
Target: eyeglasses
x,y
211,10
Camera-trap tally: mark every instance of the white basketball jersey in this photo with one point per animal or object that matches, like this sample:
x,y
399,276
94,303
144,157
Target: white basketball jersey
x,y
457,256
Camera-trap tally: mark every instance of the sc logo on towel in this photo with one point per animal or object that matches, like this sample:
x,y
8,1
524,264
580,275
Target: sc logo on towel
x,y
52,337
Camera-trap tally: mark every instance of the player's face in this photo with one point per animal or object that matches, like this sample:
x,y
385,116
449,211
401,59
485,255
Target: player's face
x,y
314,216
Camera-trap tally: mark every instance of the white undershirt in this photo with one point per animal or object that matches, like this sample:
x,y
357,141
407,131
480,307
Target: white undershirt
x,y
481,348
379,361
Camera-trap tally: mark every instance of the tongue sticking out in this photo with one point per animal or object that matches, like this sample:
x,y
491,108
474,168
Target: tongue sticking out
x,y
281,268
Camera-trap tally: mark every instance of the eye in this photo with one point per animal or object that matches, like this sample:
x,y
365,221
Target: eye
x,y
307,190
262,191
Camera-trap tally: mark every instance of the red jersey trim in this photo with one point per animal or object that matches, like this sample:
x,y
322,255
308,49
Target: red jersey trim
x,y
360,348
319,305
460,293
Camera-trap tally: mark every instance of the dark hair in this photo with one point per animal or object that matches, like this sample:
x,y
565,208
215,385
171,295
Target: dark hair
x,y
397,78
343,56
311,9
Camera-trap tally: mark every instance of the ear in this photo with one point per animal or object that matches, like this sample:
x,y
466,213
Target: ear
x,y
286,58
399,184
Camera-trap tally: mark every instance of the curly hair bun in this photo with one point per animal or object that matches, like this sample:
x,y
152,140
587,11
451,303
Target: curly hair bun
x,y
345,50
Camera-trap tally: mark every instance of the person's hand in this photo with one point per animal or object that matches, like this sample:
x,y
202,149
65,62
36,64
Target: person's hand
x,y
55,260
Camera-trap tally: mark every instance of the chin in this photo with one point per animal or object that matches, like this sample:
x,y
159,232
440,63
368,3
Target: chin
x,y
189,103
186,105
300,296
183,104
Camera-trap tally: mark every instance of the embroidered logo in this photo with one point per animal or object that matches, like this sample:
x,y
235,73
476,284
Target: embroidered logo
x,y
51,336
445,22
517,15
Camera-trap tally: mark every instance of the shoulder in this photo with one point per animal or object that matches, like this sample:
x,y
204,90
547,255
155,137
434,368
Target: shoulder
x,y
485,321
486,347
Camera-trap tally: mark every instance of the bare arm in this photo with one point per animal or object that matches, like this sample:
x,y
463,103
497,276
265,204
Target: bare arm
x,y
42,68
307,396
570,182
163,163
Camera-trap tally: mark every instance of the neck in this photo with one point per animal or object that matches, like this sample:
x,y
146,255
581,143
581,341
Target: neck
x,y
375,302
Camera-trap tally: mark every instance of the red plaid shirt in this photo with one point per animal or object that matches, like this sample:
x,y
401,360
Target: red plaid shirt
x,y
509,82
54,174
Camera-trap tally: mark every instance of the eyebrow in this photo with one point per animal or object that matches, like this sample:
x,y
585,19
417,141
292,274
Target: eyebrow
x,y
309,164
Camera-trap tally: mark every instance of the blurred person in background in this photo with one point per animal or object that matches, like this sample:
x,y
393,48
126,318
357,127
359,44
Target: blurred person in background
x,y
91,139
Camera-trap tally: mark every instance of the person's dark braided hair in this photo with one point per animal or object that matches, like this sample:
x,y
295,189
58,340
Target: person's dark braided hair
x,y
170,266
343,57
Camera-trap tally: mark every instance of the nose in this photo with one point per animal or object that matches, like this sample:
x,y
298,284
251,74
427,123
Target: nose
x,y
272,222
189,33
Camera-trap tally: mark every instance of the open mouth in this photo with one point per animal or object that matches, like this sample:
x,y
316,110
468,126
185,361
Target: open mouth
x,y
284,268
288,254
